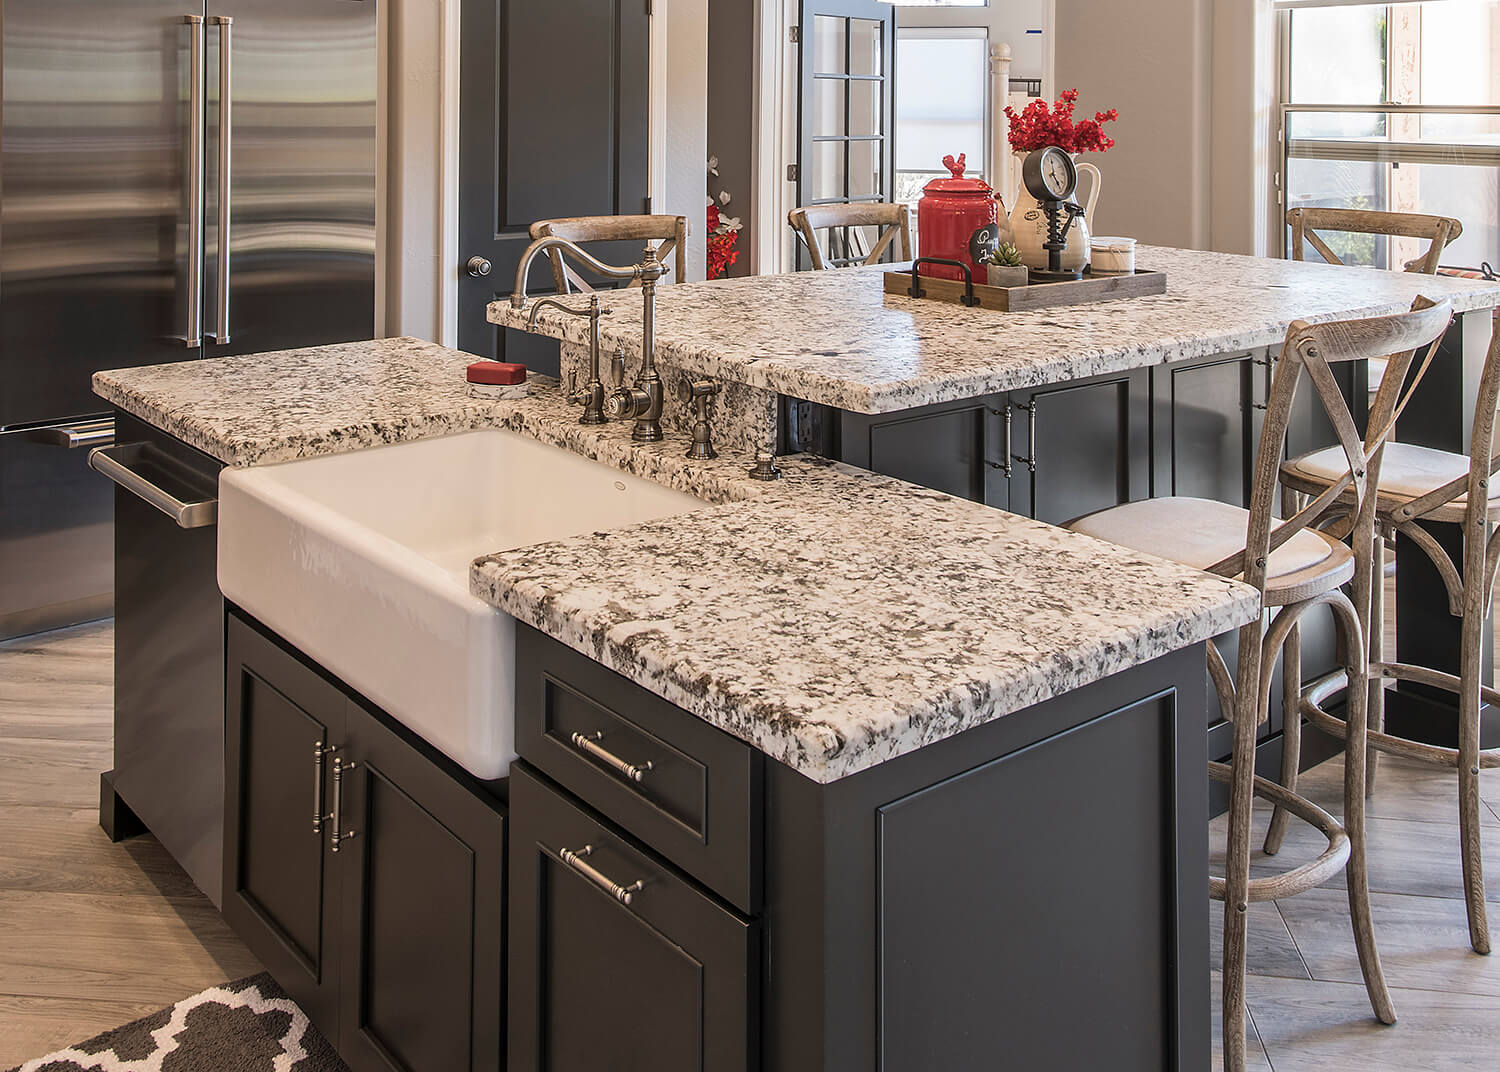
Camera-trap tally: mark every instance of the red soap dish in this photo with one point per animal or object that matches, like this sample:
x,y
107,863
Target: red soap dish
x,y
496,373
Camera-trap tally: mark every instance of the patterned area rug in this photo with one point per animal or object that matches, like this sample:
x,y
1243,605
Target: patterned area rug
x,y
248,1026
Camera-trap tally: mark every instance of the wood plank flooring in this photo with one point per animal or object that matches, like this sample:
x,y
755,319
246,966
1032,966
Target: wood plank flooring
x,y
92,935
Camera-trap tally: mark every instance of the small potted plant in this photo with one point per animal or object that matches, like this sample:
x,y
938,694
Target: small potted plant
x,y
1004,267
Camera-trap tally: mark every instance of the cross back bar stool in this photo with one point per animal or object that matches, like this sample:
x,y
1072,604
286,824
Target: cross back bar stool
x,y
1419,485
1437,231
670,231
894,222
1295,568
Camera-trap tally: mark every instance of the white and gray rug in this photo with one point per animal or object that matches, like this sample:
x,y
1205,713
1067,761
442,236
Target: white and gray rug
x,y
245,1026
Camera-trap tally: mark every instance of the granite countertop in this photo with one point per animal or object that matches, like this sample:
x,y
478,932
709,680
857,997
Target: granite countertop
x,y
844,618
836,338
834,619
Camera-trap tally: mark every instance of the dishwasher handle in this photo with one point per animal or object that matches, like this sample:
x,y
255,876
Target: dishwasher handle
x,y
195,513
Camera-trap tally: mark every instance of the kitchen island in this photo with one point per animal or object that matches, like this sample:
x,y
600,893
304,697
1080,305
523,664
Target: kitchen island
x,y
1056,413
827,772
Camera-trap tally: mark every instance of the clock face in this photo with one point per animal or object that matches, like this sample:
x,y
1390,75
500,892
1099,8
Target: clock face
x,y
1058,174
1050,175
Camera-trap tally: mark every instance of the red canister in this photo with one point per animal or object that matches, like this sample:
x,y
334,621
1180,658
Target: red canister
x,y
957,220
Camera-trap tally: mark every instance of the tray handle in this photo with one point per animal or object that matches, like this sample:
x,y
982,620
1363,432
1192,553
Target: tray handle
x,y
916,291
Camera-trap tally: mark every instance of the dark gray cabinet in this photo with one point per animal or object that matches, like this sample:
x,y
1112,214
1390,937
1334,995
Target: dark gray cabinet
x,y
364,871
1052,453
617,961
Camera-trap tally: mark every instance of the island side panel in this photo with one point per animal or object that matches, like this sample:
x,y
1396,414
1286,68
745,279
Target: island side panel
x,y
1032,892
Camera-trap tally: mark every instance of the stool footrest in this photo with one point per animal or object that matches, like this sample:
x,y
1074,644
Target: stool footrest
x,y
1295,880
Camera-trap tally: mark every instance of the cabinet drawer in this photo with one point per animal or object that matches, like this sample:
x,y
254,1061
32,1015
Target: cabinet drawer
x,y
686,789
616,961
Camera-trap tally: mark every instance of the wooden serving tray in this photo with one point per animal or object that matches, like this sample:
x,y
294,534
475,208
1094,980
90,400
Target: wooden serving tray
x,y
1090,288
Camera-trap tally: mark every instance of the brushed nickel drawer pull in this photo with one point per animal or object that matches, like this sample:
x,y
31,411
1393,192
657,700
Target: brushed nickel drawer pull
x,y
590,744
319,752
339,835
575,860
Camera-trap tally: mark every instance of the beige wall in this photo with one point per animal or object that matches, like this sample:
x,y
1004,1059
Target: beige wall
x,y
1192,81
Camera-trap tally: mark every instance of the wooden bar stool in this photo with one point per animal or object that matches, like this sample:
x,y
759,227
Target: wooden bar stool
x,y
1418,485
1437,231
1295,567
671,231
842,222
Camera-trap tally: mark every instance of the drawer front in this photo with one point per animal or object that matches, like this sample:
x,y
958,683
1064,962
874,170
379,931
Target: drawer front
x,y
616,961
688,790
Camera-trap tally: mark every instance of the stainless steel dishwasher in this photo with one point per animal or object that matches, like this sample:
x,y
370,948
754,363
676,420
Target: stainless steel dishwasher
x,y
168,774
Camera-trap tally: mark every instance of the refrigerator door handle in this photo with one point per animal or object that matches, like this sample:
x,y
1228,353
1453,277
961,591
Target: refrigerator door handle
x,y
197,115
225,23
99,432
199,511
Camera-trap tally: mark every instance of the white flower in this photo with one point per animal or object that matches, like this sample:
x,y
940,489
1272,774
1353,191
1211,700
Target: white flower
x,y
724,197
729,223
713,166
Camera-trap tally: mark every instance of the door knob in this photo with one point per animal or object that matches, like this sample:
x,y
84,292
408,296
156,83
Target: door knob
x,y
478,267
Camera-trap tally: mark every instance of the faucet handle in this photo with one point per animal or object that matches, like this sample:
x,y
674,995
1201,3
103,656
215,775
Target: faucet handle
x,y
617,368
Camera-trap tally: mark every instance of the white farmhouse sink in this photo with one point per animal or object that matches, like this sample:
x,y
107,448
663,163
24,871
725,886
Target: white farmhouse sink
x,y
362,561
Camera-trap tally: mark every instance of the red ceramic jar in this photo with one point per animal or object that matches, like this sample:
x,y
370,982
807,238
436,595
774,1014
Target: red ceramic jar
x,y
950,215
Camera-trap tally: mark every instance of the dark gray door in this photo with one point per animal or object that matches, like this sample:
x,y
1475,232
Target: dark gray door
x,y
423,913
608,974
555,117
845,106
302,84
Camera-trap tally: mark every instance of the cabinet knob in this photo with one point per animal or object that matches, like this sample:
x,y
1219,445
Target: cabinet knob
x,y
478,267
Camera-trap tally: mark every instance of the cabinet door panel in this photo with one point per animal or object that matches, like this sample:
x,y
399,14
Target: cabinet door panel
x,y
1208,408
278,877
955,447
423,913
662,984
1081,447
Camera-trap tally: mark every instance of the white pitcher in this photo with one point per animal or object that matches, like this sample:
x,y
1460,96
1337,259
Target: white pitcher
x,y
1028,221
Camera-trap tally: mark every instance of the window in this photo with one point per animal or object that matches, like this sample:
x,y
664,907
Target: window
x,y
1397,108
942,104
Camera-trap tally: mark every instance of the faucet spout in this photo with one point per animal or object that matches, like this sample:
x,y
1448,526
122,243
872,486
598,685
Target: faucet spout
x,y
573,249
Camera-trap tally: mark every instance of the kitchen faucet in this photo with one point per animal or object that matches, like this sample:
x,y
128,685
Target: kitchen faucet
x,y
592,396
643,402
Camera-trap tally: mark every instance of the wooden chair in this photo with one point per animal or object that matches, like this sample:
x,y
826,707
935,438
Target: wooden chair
x,y
1419,486
1295,567
1438,231
845,245
671,231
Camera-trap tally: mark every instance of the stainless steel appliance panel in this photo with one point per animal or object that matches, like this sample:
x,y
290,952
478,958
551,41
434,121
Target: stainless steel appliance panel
x,y
94,183
56,548
301,159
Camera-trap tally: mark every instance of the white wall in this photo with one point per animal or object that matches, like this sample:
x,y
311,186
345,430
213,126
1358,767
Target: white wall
x,y
679,66
414,154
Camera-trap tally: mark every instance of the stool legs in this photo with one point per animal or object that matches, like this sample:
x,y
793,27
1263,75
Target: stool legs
x,y
1468,771
1291,733
1377,654
1356,749
1237,886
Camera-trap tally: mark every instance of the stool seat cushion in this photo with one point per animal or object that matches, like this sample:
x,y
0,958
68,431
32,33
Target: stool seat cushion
x,y
1407,471
1197,533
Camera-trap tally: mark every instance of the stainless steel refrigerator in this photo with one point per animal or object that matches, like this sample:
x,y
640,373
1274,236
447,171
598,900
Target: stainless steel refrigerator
x,y
177,180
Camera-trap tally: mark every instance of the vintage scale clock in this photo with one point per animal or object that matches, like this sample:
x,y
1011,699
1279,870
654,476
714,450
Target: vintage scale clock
x,y
1051,177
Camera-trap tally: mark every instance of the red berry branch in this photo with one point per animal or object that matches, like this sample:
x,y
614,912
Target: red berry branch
x,y
1040,124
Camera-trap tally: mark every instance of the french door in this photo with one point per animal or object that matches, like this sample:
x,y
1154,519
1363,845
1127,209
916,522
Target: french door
x,y
845,108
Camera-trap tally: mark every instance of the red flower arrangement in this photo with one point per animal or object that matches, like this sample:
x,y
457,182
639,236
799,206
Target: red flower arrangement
x,y
1040,124
723,231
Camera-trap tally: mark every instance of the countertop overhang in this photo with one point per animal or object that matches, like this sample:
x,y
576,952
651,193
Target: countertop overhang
x,y
838,339
834,619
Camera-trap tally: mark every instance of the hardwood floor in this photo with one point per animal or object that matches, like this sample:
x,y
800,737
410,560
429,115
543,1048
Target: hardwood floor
x,y
92,935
